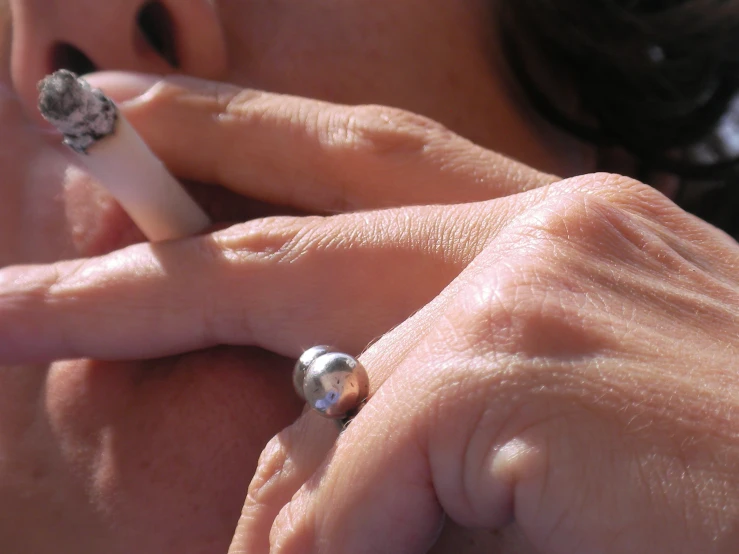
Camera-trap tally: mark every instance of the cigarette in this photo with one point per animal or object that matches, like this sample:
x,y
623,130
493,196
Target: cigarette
x,y
115,155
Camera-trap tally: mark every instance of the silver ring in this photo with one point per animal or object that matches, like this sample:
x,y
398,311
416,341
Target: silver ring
x,y
334,384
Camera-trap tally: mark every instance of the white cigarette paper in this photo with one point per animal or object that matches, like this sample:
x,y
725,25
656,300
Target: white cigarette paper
x,y
118,158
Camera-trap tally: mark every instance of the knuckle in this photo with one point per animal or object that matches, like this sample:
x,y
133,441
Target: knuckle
x,y
619,190
547,287
290,240
69,279
279,239
382,131
294,528
240,103
612,221
224,98
264,486
27,283
568,218
528,297
161,94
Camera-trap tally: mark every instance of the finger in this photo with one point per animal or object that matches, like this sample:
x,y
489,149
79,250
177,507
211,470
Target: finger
x,y
391,476
291,457
302,448
297,447
281,284
278,473
413,453
519,411
314,155
374,493
354,499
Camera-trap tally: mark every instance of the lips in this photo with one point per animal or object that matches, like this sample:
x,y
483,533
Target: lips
x,y
98,225
179,435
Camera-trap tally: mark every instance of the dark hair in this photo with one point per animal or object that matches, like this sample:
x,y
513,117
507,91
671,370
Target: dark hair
x,y
657,78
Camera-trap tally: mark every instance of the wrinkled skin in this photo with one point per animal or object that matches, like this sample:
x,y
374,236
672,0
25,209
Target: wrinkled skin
x,y
157,455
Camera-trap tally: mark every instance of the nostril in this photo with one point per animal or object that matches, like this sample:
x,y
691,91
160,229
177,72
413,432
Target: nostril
x,y
157,26
66,56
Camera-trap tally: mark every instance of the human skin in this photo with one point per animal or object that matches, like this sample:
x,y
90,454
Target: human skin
x,y
86,445
155,456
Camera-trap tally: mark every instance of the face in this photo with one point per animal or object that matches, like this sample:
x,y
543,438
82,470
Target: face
x,y
434,57
160,435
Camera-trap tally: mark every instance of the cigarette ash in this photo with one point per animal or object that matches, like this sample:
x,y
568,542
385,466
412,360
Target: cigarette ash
x,y
84,115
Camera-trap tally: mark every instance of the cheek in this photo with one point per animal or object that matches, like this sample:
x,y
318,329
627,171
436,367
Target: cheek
x,y
180,437
394,52
436,58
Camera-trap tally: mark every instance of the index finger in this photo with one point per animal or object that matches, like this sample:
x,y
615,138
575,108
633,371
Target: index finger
x,y
314,155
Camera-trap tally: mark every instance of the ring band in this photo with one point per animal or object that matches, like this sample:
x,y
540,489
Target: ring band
x,y
334,384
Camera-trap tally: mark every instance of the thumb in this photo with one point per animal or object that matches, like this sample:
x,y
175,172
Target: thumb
x,y
374,492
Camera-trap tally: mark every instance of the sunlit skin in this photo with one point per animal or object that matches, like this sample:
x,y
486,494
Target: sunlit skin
x,y
156,456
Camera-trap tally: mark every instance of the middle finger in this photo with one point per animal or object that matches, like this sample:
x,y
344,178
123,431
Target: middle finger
x,y
277,283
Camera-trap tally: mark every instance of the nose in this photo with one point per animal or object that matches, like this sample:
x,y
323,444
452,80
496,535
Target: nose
x,y
168,36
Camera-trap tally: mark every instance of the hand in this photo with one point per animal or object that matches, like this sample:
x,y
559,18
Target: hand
x,y
575,376
86,443
578,378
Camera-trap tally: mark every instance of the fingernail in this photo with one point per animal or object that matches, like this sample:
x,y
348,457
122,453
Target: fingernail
x,y
121,86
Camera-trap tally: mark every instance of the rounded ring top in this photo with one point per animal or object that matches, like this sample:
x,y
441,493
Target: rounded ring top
x,y
334,384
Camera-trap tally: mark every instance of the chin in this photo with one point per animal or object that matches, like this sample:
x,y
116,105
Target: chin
x,y
168,446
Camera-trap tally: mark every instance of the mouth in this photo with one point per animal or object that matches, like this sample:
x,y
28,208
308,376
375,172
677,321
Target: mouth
x,y
227,207
99,225
175,434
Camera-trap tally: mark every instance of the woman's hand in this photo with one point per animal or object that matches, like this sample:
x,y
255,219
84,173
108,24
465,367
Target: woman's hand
x,y
85,443
576,376
560,358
